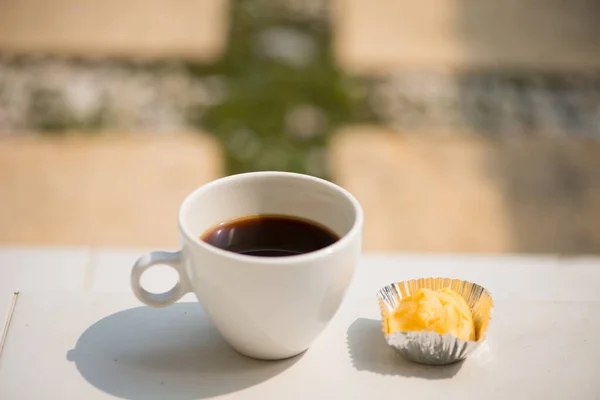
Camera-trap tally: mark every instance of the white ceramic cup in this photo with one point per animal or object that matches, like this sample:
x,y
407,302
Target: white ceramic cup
x,y
265,307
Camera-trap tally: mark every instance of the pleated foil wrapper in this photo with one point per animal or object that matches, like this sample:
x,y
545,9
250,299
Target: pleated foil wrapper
x,y
431,348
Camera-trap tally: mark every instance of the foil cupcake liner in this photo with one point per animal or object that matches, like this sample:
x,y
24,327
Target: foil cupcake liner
x,y
431,348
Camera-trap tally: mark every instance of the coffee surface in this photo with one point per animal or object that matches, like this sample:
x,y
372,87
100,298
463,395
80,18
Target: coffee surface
x,y
270,236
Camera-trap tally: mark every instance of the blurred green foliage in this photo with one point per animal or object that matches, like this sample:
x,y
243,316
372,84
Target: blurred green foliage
x,y
263,90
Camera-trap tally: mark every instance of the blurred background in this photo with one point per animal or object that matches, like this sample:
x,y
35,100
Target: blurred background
x,y
461,126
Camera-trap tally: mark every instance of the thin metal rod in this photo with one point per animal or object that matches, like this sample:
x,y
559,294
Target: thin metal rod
x,y
11,311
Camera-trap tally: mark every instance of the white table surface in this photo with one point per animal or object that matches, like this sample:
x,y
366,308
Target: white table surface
x,y
79,333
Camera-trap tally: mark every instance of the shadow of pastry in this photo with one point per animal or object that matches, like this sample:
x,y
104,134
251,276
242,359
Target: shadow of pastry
x,y
370,352
170,353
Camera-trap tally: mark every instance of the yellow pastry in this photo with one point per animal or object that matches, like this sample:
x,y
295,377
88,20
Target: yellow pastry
x,y
442,311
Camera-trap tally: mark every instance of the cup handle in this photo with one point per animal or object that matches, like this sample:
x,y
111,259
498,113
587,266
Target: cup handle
x,y
169,297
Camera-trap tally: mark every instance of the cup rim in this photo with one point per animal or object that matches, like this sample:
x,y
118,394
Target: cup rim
x,y
294,259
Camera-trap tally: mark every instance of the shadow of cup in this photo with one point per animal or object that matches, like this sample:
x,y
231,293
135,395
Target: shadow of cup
x,y
370,352
170,353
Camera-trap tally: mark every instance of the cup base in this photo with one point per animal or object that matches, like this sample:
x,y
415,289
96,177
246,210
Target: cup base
x,y
269,356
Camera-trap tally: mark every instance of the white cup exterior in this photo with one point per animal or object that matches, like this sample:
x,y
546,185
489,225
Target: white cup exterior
x,y
266,308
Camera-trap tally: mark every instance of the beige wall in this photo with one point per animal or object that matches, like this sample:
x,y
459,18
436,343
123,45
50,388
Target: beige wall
x,y
194,29
101,190
384,35
461,193
376,36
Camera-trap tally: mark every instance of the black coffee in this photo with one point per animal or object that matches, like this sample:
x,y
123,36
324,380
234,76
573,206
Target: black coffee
x,y
270,236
